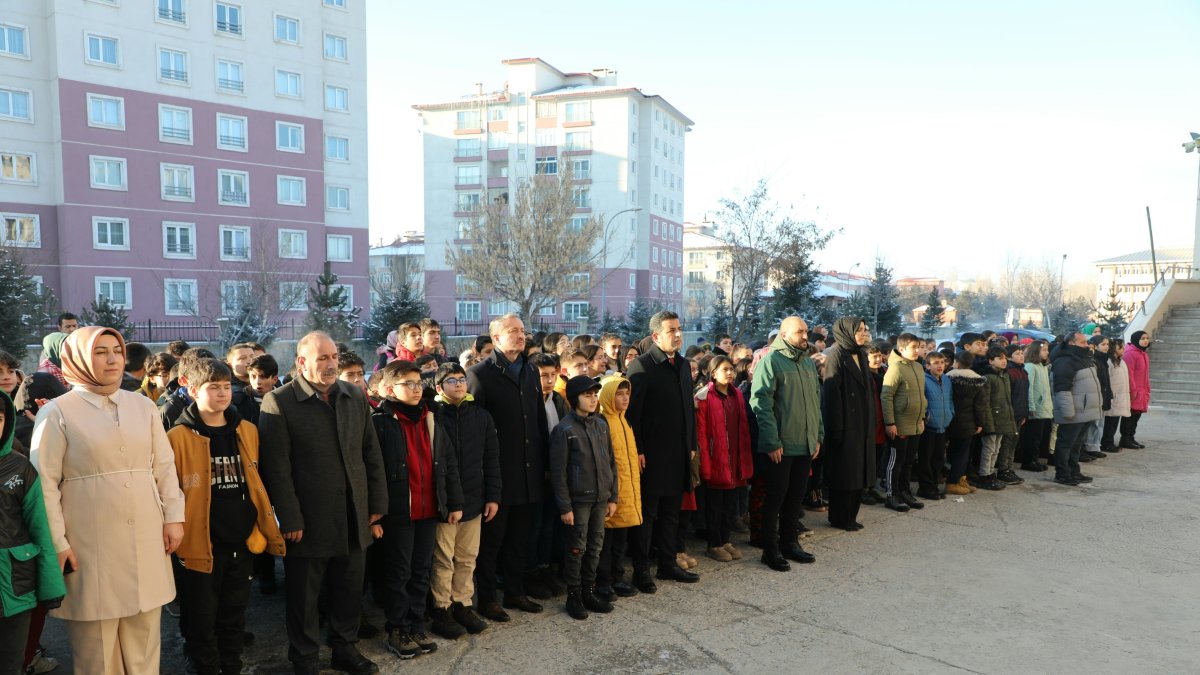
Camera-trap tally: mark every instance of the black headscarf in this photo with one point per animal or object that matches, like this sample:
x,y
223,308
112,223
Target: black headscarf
x,y
1136,339
843,332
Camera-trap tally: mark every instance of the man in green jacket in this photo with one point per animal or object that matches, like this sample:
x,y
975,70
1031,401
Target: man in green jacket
x,y
786,398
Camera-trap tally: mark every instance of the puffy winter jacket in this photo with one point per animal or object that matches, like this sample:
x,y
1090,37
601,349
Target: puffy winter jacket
x,y
446,483
1138,362
1018,379
1077,396
1000,406
970,403
467,431
1106,392
1041,399
1118,378
723,466
903,395
939,392
625,457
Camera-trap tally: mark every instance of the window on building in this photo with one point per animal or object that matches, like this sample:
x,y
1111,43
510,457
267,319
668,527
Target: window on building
x,y
235,243
582,198
578,223
579,140
229,18
233,187
180,297
575,311
179,240
108,173
695,277
231,132
338,248
17,167
230,76
177,182
337,198
654,254
654,282
578,284
337,148
497,113
582,168
497,140
547,109
290,191
337,98
288,83
467,201
21,229
103,111
579,112
467,175
174,124
501,307
13,40
339,4
117,290
468,119
467,147
633,281
467,310
293,295
293,244
234,296
289,137
546,138
545,166
462,228
14,104
103,50
287,30
172,11
172,66
335,47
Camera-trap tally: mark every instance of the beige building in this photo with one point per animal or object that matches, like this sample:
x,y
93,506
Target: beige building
x,y
1133,274
394,264
705,258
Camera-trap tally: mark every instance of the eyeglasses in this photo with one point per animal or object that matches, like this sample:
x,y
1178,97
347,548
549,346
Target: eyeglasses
x,y
411,386
453,381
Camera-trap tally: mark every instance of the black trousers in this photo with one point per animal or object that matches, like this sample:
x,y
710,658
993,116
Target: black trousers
x,y
900,461
408,550
659,528
931,457
843,506
612,556
13,632
1034,435
959,449
1110,431
1129,426
786,484
215,605
719,508
503,547
304,579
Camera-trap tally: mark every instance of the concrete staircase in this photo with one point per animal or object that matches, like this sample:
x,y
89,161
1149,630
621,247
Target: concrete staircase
x,y
1175,362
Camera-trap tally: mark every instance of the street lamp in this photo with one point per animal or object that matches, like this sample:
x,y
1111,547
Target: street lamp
x,y
1191,146
604,261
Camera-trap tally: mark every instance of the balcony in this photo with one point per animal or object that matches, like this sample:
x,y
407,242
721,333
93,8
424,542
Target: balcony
x,y
498,182
167,14
177,191
173,75
233,197
232,141
231,85
176,134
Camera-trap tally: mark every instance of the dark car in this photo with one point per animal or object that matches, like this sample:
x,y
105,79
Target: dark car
x,y
1019,333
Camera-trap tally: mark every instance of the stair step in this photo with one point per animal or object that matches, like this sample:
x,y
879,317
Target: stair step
x,y
1173,396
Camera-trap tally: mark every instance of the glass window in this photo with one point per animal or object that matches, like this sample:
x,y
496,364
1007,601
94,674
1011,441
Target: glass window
x,y
582,198
231,132
497,113
574,311
497,141
117,290
180,296
287,29
108,173
234,296
467,175
174,124
293,244
235,243
467,201
335,47
582,168
178,240
230,77
466,310
292,295
468,119
579,112
289,137
229,18
172,10
21,229
547,109
337,148
337,98
17,167
337,248
291,191
105,111
177,182
12,40
579,140
233,188
467,147
103,50
172,65
287,83
337,198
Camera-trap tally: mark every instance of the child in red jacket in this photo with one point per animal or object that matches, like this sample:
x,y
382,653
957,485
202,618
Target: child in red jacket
x,y
726,460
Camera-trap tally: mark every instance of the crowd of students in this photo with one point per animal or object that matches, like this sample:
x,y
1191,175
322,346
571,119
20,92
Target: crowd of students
x,y
531,467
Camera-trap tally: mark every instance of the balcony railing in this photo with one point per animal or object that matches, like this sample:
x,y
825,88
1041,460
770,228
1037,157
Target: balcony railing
x,y
239,252
176,191
235,141
231,27
468,152
178,16
181,249
172,74
233,197
177,134
231,85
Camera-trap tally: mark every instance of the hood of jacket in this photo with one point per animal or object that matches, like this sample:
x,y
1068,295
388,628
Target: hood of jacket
x,y
782,346
608,395
1081,355
10,425
190,417
965,374
444,401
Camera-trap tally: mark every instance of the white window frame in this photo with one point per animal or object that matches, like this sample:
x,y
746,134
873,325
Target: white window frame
x,y
6,26
475,313
345,141
178,255
574,307
279,124
245,146
240,33
345,43
283,233
633,281
345,91
127,281
329,204
96,244
335,4
120,100
124,166
87,50
288,290
549,310
654,282
187,67
303,191
226,286
195,297
162,137
473,171
239,90
275,17
299,84
17,243
163,167
167,20
349,247
221,173
349,296
15,154
29,104
232,257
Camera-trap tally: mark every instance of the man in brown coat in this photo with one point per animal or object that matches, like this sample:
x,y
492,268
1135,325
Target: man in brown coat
x,y
324,471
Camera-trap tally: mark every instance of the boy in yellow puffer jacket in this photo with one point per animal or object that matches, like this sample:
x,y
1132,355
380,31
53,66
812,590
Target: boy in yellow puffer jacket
x,y
610,577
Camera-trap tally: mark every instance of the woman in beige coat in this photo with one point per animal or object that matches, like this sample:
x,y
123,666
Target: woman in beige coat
x,y
114,506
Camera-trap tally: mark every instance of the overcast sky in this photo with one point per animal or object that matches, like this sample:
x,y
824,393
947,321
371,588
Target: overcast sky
x,y
1035,127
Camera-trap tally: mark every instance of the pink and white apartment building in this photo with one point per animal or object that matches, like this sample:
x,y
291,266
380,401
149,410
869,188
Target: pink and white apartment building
x,y
181,156
626,149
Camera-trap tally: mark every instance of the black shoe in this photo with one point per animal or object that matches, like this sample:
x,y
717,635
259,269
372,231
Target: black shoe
x,y
593,602
1066,481
1009,477
895,504
776,561
624,589
536,588
521,602
493,611
1110,449
1094,454
1127,444
1085,457
911,501
868,498
849,527
1081,478
794,552
1033,467
926,494
349,660
309,667
605,593
575,608
444,624
1136,444
858,526
991,483
644,582
427,645
366,630
468,618
677,573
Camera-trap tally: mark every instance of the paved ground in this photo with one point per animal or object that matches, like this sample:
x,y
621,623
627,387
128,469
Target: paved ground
x,y
1038,578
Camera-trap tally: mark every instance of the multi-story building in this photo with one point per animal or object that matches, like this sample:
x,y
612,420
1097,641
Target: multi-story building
x,y
626,150
180,157
398,263
1133,274
704,268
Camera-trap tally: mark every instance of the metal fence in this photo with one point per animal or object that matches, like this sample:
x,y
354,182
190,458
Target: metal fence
x,y
200,331
454,327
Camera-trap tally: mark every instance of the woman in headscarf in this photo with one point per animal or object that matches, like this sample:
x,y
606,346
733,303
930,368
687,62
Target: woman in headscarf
x,y
114,506
848,410
51,360
1137,360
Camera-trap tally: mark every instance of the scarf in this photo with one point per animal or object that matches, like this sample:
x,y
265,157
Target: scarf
x,y
52,344
843,333
1136,338
77,359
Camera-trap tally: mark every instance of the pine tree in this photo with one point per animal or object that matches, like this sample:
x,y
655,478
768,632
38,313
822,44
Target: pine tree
x,y
247,325
399,306
637,322
1112,315
609,324
23,309
857,305
327,310
718,320
883,297
932,320
104,313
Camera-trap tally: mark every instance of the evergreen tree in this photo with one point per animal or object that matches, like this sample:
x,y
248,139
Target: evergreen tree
x,y
857,305
637,322
24,311
104,313
1112,316
718,320
248,324
934,313
327,310
1071,316
609,324
993,308
882,294
401,305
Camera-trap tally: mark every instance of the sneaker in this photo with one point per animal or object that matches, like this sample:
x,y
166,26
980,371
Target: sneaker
x,y
1009,477
1081,478
41,663
991,483
401,644
1066,481
719,554
427,645
468,618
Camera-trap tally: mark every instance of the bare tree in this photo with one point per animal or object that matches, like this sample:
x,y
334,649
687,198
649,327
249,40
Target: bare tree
x,y
1038,286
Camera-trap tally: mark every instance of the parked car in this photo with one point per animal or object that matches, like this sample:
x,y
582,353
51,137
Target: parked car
x,y
1019,333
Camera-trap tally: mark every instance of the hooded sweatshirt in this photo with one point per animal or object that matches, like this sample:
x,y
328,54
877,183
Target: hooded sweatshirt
x,y
625,457
231,514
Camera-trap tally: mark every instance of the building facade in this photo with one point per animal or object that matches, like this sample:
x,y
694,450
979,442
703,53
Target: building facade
x,y
1133,274
626,150
184,157
398,263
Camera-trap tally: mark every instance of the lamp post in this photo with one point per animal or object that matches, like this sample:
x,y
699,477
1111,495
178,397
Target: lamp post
x,y
1190,146
604,261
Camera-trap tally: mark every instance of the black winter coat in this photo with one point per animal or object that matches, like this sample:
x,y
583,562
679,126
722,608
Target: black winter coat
x,y
392,444
1019,379
467,432
518,411
1106,391
663,417
848,409
970,403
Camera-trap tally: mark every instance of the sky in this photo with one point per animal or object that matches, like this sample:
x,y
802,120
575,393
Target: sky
x,y
944,135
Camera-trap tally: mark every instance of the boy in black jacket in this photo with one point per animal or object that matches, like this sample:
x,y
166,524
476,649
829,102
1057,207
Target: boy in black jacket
x,y
466,431
423,489
583,475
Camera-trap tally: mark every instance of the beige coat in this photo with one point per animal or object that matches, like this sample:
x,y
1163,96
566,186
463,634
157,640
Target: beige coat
x,y
109,488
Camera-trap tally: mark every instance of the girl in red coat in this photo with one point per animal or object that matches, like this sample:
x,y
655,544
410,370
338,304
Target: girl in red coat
x,y
726,461
1137,360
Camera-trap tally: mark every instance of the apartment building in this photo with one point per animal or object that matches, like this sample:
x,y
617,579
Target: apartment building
x,y
626,150
182,157
1134,274
396,264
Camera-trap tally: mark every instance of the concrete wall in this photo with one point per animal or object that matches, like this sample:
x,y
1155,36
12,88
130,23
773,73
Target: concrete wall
x,y
1170,292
